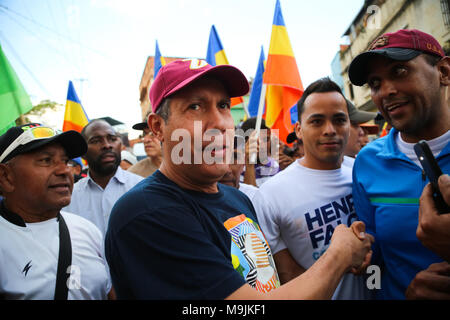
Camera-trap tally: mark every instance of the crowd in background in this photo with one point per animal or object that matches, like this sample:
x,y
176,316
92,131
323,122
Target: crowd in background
x,y
304,219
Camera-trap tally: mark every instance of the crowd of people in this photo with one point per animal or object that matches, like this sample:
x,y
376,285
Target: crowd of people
x,y
263,219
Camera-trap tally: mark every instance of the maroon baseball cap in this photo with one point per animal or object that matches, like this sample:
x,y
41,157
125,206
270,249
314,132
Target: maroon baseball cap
x,y
178,74
402,45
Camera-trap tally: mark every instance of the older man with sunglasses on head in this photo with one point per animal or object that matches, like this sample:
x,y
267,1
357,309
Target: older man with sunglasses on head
x,y
38,241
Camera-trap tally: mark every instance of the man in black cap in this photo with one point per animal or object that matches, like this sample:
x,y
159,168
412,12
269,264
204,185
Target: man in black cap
x,y
355,139
408,76
152,147
36,184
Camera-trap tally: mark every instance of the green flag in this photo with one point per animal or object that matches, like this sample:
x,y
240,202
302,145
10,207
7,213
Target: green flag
x,y
14,101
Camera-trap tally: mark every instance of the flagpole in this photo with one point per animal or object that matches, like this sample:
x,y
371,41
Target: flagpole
x,y
262,99
245,108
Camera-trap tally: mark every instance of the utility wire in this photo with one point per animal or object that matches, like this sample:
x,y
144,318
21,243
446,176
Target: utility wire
x,y
79,38
55,50
55,25
24,65
51,30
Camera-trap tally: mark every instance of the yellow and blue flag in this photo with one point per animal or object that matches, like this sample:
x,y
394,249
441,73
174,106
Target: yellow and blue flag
x,y
75,117
159,61
284,86
216,56
255,95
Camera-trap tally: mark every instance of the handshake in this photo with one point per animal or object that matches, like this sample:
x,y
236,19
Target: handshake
x,y
353,246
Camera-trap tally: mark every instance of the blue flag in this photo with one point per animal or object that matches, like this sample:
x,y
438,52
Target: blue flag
x,y
159,61
255,95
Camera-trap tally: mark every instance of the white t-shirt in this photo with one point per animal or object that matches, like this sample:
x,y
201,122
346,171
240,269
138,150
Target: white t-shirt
x,y
299,208
348,162
248,189
29,260
436,146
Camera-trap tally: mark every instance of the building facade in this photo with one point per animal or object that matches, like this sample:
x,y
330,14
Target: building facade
x,y
147,80
377,17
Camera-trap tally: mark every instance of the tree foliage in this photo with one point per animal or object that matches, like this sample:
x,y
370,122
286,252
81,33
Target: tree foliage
x,y
38,110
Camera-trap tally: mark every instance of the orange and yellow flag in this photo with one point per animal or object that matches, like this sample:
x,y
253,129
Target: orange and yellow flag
x,y
284,86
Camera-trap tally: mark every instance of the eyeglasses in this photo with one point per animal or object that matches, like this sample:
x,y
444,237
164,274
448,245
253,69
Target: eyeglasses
x,y
150,134
30,134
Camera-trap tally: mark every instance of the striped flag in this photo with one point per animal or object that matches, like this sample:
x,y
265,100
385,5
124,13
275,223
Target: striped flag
x,y
159,61
284,86
216,56
384,131
253,103
75,117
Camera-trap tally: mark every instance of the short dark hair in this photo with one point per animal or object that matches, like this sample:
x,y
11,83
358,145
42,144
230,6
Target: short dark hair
x,y
432,60
164,110
250,124
321,85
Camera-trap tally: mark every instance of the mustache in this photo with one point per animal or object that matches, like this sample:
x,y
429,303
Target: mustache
x,y
389,102
108,153
330,141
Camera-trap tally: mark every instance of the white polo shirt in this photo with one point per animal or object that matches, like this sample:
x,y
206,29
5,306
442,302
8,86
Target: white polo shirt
x,y
94,203
29,260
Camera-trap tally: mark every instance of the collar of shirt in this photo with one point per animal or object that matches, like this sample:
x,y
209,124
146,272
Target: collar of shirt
x,y
119,176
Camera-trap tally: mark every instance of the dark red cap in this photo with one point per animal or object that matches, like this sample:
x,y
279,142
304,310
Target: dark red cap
x,y
402,45
178,74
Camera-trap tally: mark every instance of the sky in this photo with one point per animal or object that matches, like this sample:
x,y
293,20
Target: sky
x,y
103,45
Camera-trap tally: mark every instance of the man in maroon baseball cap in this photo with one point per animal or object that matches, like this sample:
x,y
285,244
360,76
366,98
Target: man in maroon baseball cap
x,y
408,76
177,75
180,234
402,45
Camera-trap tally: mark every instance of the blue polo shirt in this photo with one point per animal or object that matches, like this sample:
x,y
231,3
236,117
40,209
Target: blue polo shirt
x,y
387,186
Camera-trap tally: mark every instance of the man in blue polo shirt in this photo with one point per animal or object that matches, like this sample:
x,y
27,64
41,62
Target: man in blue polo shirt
x,y
408,76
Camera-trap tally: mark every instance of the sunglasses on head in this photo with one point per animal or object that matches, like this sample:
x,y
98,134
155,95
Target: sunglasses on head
x,y
29,135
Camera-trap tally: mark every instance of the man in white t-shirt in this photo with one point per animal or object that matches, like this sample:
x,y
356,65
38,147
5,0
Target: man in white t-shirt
x,y
36,183
300,207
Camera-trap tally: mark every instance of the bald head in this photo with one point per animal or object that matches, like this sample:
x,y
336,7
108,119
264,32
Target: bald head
x,y
95,123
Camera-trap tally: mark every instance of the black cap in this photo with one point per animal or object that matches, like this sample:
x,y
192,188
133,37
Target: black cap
x,y
73,142
140,126
291,137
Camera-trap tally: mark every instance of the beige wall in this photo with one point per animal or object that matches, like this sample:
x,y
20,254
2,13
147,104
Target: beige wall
x,y
425,15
